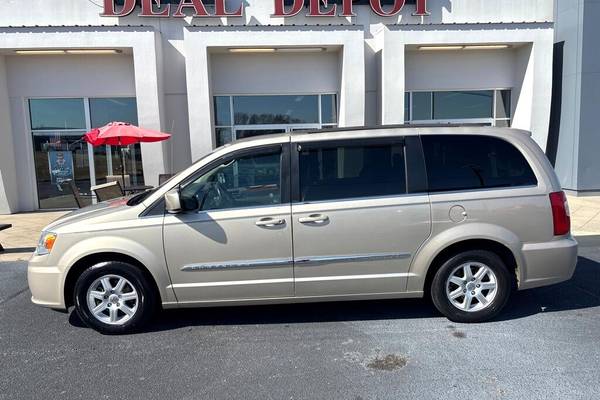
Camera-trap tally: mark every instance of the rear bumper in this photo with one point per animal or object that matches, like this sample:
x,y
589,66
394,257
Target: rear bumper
x,y
548,263
46,284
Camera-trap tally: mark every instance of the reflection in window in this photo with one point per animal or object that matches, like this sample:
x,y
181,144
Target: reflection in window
x,y
250,181
459,106
57,114
253,110
105,110
331,173
276,113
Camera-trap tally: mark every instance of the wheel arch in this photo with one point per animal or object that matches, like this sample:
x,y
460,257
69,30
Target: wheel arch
x,y
92,259
441,247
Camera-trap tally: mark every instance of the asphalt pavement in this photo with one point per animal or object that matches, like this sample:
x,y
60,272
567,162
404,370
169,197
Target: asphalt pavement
x,y
545,345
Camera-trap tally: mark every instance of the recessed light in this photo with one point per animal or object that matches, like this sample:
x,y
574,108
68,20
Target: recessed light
x,y
441,47
487,47
94,51
251,50
39,52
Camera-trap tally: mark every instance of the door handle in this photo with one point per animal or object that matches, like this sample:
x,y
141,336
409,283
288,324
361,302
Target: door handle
x,y
314,219
270,221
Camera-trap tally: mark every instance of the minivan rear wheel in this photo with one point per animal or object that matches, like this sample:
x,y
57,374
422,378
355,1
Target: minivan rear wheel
x,y
472,286
113,297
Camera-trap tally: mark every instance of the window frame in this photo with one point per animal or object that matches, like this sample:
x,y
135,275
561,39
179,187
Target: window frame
x,y
413,158
284,160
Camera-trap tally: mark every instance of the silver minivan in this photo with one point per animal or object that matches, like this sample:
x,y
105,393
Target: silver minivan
x,y
464,215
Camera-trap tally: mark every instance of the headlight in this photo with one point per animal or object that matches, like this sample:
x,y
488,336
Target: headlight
x,y
46,243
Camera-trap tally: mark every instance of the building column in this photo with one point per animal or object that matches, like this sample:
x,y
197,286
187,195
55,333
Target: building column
x,y
392,80
8,176
147,59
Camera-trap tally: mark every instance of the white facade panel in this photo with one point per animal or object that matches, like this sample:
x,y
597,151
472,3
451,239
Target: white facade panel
x,y
286,73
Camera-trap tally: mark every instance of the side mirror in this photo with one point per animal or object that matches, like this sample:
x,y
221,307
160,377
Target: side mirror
x,y
172,201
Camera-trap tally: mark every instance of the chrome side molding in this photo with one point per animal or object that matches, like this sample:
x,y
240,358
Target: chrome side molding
x,y
320,260
304,261
269,262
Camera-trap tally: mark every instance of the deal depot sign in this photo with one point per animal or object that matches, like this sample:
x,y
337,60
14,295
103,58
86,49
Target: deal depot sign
x,y
316,8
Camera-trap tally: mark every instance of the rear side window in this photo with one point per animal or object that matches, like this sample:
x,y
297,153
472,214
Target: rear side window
x,y
351,171
461,162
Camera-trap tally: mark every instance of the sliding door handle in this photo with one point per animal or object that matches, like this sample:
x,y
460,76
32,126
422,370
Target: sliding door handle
x,y
314,219
270,221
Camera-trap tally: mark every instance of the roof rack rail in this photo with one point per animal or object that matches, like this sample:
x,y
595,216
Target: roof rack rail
x,y
396,126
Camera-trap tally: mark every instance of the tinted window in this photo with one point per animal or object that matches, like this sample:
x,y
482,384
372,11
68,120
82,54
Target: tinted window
x,y
328,173
458,162
57,114
103,111
250,181
461,105
251,110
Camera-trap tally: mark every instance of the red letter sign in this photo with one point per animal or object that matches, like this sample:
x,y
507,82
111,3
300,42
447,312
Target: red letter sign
x,y
147,10
109,8
378,9
421,8
221,12
314,10
280,8
199,9
347,9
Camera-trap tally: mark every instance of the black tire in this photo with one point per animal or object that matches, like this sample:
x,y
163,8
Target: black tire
x,y
504,284
144,305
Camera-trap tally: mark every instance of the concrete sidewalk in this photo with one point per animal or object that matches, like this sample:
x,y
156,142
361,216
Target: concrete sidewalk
x,y
21,239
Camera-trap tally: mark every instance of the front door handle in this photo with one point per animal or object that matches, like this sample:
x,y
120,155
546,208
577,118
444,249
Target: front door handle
x,y
314,219
270,221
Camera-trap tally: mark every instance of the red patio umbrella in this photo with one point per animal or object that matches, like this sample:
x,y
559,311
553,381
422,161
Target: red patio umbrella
x,y
122,134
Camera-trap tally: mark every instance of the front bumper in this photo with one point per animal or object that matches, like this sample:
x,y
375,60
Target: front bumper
x,y
548,263
46,284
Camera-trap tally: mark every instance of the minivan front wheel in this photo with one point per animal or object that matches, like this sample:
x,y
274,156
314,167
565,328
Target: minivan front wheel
x,y
472,286
113,297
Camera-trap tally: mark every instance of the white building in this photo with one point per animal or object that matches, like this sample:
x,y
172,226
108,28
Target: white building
x,y
64,69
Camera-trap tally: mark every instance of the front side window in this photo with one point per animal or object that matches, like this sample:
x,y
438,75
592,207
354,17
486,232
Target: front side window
x,y
352,171
249,181
462,162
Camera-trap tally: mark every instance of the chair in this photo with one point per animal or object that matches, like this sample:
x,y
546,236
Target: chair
x,y
119,178
3,227
108,191
78,197
162,178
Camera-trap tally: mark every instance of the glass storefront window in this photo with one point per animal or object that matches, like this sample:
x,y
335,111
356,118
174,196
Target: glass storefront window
x,y
482,106
261,115
421,106
260,110
105,110
460,105
59,157
328,109
55,114
60,154
503,104
222,110
223,136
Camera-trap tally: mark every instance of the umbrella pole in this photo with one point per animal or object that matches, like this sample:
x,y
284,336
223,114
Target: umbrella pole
x,y
123,166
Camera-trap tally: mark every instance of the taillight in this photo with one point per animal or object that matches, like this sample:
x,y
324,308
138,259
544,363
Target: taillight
x,y
560,213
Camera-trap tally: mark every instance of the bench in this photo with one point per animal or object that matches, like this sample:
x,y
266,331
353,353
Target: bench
x,y
3,227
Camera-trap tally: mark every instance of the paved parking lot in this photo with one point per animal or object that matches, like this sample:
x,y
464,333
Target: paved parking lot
x,y
545,346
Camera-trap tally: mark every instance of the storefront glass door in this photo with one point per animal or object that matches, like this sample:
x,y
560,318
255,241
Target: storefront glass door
x,y
60,155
